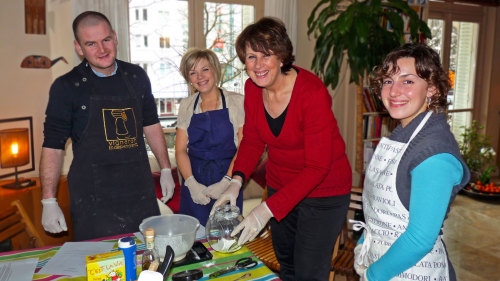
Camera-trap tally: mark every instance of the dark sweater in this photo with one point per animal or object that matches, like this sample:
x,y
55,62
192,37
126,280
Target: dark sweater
x,y
434,138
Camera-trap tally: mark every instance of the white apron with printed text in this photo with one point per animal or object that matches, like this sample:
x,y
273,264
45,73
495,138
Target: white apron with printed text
x,y
386,217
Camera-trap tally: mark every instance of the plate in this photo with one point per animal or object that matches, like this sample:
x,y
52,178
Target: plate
x,y
483,195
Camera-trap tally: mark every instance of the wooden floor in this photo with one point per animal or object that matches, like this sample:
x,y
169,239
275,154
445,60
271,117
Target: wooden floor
x,y
472,237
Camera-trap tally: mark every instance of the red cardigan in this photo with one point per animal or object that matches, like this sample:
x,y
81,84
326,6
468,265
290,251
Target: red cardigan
x,y
308,158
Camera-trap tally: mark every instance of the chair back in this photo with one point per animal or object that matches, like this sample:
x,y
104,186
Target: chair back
x,y
14,221
343,261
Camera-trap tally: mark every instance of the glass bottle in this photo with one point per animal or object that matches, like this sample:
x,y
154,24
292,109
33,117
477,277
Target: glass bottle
x,y
219,227
150,255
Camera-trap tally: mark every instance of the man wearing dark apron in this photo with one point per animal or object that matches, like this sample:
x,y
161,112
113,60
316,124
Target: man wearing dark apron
x,y
211,149
105,105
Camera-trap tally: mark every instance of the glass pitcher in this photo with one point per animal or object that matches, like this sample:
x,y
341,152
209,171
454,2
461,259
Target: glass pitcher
x,y
219,227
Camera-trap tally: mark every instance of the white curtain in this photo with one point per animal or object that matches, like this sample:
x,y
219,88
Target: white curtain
x,y
286,10
117,13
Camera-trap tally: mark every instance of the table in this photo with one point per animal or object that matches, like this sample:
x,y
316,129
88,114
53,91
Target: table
x,y
219,261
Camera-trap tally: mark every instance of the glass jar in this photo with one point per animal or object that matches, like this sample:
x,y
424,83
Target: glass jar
x,y
219,227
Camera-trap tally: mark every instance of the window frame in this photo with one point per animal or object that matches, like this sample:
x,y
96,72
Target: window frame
x,y
195,17
449,12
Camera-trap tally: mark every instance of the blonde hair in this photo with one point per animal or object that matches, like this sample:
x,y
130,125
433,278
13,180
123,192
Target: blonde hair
x,y
192,57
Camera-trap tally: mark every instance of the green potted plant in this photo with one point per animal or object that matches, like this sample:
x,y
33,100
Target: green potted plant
x,y
366,31
477,153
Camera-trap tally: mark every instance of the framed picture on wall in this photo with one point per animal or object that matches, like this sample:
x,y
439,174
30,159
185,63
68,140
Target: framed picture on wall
x,y
34,16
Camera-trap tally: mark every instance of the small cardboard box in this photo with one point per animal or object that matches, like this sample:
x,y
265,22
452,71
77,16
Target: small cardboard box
x,y
108,266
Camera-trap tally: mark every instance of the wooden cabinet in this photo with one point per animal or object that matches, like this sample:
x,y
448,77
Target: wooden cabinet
x,y
30,198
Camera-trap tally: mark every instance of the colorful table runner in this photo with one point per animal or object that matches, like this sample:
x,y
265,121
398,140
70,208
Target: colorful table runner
x,y
219,261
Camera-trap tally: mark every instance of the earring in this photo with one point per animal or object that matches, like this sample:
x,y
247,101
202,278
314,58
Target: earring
x,y
428,102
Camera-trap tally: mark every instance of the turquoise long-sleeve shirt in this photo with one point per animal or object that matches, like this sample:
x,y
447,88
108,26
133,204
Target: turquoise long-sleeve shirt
x,y
432,182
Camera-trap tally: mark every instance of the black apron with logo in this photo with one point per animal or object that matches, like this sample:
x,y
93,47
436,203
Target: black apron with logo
x,y
110,181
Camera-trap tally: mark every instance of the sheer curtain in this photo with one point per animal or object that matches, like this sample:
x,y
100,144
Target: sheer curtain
x,y
286,10
117,13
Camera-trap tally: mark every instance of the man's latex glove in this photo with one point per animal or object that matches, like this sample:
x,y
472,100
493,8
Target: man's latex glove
x,y
359,268
167,184
196,189
253,223
215,190
52,216
230,195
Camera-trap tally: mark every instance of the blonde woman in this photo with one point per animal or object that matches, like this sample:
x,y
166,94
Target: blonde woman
x,y
209,129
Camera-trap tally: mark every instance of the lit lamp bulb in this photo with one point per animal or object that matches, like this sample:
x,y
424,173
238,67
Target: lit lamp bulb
x,y
14,148
14,153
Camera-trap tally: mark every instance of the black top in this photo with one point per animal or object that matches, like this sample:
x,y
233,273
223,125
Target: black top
x,y
67,111
276,124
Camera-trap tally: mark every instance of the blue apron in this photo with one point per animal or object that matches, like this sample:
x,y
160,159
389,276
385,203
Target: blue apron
x,y
211,149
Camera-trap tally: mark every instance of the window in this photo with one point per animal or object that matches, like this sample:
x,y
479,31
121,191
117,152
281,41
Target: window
x,y
455,31
164,42
145,15
145,40
136,40
177,25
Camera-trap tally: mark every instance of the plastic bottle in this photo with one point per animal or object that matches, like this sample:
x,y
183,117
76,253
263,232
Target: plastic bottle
x,y
150,254
127,245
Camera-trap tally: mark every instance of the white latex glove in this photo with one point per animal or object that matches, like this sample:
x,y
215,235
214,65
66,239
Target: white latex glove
x,y
253,223
167,184
215,190
359,268
230,195
52,216
196,189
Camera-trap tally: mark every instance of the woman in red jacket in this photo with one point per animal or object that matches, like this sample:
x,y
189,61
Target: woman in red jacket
x,y
289,110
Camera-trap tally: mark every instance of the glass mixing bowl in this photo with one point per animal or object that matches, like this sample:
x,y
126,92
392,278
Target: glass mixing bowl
x,y
219,227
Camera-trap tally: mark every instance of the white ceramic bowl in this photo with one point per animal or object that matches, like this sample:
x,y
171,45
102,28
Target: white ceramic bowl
x,y
176,230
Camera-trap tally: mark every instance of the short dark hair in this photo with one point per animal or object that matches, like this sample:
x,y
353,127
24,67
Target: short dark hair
x,y
267,35
427,65
91,17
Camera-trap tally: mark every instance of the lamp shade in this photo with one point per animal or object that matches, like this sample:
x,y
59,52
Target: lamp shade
x,y
14,147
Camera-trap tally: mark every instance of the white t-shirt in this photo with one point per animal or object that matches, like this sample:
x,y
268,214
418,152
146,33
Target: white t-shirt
x,y
234,103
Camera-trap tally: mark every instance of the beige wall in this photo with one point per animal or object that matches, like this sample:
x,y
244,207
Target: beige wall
x,y
24,92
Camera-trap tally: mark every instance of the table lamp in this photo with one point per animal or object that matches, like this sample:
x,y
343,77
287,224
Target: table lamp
x,y
14,152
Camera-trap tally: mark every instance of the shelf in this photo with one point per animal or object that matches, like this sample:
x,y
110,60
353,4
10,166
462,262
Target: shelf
x,y
375,113
371,139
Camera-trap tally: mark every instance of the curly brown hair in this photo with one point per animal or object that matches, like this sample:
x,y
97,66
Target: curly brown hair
x,y
267,35
427,65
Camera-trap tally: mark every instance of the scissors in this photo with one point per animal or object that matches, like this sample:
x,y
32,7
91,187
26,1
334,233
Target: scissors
x,y
244,263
